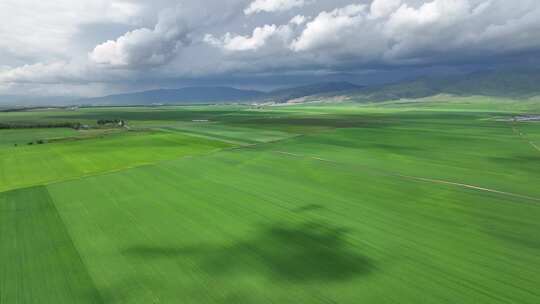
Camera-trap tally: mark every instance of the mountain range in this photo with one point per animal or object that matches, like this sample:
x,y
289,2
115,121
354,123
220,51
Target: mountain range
x,y
176,96
201,95
511,84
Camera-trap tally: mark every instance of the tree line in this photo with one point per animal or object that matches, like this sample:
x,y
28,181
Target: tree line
x,y
103,122
72,125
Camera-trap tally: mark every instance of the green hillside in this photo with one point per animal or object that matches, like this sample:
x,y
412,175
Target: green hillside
x,y
500,83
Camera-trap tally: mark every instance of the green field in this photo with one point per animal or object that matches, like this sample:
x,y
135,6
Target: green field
x,y
427,201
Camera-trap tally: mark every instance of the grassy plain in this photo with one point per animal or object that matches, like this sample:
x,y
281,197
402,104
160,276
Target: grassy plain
x,y
431,202
39,262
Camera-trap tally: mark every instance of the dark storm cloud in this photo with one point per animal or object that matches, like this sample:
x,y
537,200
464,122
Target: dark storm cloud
x,y
61,45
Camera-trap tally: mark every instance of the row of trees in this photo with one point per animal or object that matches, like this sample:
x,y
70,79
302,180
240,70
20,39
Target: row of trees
x,y
72,125
118,122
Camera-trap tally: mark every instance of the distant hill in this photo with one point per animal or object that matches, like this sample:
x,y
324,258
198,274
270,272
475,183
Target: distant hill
x,y
284,95
217,95
513,84
176,96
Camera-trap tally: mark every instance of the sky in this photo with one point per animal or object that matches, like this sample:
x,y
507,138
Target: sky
x,y
99,47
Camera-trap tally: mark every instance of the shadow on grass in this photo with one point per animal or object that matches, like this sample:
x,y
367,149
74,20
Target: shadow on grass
x,y
358,121
517,159
519,238
309,208
397,148
307,252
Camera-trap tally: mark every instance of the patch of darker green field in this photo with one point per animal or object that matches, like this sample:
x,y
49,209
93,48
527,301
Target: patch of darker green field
x,y
39,262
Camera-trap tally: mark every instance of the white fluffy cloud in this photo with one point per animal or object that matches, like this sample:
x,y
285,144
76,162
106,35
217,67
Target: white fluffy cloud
x,y
60,72
382,8
38,73
33,28
245,43
400,31
145,47
65,41
393,32
329,27
258,6
298,20
277,36
59,78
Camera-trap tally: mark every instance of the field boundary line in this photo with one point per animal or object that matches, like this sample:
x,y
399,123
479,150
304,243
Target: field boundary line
x,y
206,136
113,171
421,179
534,145
439,181
523,136
289,153
71,240
145,164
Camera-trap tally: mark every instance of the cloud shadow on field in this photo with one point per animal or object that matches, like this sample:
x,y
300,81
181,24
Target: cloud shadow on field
x,y
311,251
397,148
309,208
517,159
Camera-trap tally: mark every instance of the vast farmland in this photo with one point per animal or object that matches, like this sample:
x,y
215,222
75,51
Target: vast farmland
x,y
426,201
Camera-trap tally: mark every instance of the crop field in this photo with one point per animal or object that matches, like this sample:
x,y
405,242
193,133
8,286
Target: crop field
x,y
432,201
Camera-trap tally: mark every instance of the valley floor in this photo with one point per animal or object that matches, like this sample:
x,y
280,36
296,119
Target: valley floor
x,y
434,202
